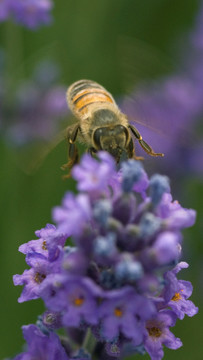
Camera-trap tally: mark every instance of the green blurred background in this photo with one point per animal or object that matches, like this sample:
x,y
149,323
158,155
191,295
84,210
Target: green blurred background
x,y
84,40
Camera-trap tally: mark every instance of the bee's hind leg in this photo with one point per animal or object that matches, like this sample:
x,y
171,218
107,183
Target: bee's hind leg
x,y
143,143
73,155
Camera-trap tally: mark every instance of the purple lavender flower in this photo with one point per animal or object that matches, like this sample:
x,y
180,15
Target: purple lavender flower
x,y
131,174
159,185
93,176
75,262
125,311
73,217
82,295
30,13
105,250
50,291
128,269
124,208
176,292
174,215
33,278
76,296
165,250
142,185
158,334
41,346
149,225
48,244
102,211
38,246
112,282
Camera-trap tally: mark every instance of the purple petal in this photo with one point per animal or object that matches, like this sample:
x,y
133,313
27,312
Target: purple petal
x,y
171,341
110,329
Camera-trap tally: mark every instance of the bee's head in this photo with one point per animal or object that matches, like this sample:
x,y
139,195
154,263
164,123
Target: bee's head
x,y
113,139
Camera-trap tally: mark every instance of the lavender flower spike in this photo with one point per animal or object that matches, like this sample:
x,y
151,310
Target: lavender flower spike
x,y
110,288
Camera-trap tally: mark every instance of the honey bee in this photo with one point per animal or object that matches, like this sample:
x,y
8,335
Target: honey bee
x,y
101,125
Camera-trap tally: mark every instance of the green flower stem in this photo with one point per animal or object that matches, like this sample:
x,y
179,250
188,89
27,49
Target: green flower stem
x,y
89,342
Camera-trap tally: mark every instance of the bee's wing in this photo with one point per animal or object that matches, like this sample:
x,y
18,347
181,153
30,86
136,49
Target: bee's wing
x,y
149,80
31,149
43,54
31,156
141,62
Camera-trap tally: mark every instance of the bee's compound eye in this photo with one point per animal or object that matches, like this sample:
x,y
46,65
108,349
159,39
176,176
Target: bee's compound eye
x,y
119,129
122,129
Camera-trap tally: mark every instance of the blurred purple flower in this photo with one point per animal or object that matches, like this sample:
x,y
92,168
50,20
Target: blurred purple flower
x,y
93,176
174,215
75,262
128,270
165,250
134,176
30,13
41,346
73,217
173,106
105,250
37,108
4,10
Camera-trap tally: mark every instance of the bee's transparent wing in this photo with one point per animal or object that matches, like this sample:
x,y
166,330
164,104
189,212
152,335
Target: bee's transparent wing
x,y
14,76
31,156
35,108
157,94
141,62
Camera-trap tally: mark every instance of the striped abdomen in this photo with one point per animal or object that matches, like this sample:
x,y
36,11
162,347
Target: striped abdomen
x,y
83,94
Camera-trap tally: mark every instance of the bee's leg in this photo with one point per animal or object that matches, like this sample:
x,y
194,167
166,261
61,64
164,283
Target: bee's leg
x,y
73,154
131,151
143,143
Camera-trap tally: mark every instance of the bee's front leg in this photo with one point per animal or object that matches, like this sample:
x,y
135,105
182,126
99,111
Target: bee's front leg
x,y
131,152
146,147
73,155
